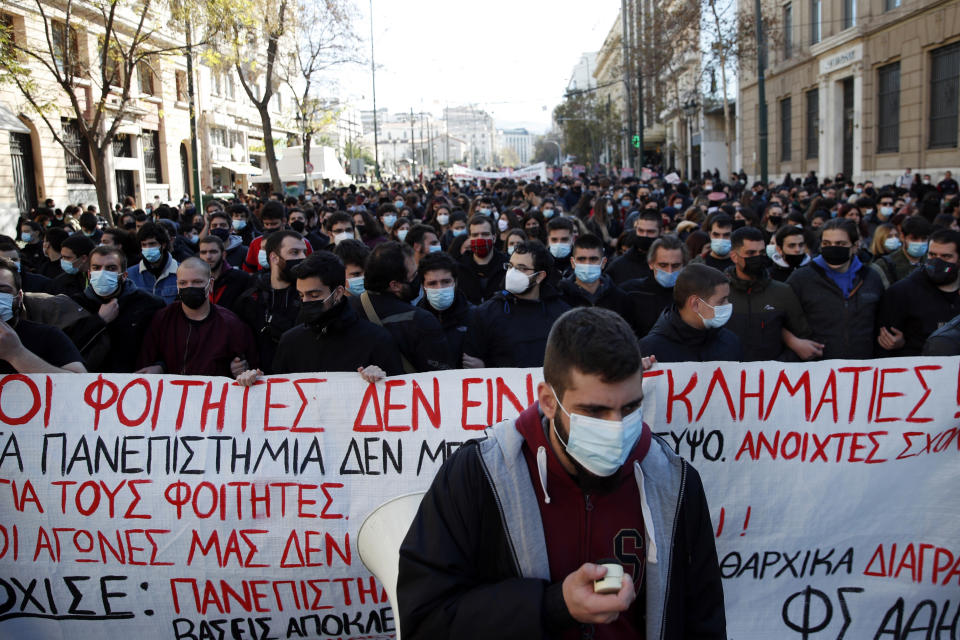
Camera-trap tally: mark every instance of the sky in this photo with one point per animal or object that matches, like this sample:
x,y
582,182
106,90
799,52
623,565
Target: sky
x,y
512,58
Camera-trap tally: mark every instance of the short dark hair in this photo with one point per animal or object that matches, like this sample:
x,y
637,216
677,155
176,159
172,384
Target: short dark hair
x,y
352,252
211,239
846,225
669,242
561,223
916,226
785,232
542,260
386,264
153,231
239,207
273,241
717,220
588,241
594,341
438,261
108,250
741,235
55,237
334,218
88,220
273,210
220,213
946,236
697,280
478,219
323,265
650,216
8,264
416,234
80,244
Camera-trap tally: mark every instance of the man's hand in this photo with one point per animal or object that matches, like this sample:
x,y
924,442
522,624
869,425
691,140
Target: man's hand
x,y
238,366
371,373
469,362
648,362
891,339
109,311
593,608
249,377
153,369
10,345
807,349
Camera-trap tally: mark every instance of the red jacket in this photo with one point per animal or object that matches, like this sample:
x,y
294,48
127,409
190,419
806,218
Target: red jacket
x,y
583,528
204,348
251,264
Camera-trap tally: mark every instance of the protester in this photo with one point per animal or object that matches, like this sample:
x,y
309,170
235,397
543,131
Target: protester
x,y
790,252
718,226
387,300
692,330
75,262
510,329
839,295
219,225
192,336
481,267
897,265
462,573
124,310
587,285
330,335
647,298
229,282
634,263
446,302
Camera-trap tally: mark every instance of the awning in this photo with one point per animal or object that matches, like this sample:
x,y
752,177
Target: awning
x,y
241,168
10,122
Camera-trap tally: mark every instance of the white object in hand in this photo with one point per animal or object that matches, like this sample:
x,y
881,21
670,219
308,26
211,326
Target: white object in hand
x,y
610,583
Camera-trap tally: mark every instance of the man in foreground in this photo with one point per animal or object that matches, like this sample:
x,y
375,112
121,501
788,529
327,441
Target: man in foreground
x,y
507,541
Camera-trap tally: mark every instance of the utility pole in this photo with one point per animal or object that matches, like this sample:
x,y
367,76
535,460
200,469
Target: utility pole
x,y
625,40
761,93
413,149
373,73
195,165
640,114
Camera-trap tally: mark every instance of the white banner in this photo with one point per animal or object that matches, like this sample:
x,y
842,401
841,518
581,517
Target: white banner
x,y
461,172
182,508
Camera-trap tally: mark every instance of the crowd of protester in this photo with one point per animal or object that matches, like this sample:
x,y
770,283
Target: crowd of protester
x,y
443,274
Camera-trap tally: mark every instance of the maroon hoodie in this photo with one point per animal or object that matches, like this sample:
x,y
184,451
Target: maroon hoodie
x,y
582,527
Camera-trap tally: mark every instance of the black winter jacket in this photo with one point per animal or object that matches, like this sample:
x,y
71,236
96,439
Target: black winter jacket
x,y
629,266
646,301
481,282
673,340
511,332
761,309
346,343
917,307
417,332
137,308
847,327
945,341
608,296
269,313
455,322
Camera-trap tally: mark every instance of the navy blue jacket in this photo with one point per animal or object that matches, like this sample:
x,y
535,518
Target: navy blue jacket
x,y
673,340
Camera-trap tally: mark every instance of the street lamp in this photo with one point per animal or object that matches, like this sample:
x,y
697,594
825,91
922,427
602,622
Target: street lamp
x,y
559,152
689,110
302,125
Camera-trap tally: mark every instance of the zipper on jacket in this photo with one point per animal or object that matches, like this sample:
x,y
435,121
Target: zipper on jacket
x,y
673,537
503,518
587,509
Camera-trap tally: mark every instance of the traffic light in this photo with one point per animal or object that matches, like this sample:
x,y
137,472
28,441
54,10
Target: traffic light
x,y
635,141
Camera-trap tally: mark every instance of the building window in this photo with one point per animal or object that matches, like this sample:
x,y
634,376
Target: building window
x,y
7,34
218,137
76,152
66,48
181,80
145,73
785,130
813,123
849,13
151,157
122,146
944,85
889,5
787,31
816,8
216,83
228,85
888,108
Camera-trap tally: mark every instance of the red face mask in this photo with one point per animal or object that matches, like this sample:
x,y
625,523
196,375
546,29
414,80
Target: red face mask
x,y
481,247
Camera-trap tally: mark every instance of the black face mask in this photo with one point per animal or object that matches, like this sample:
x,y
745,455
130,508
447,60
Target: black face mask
x,y
756,266
835,256
941,272
223,234
411,289
643,243
775,220
193,297
795,260
298,226
288,267
739,224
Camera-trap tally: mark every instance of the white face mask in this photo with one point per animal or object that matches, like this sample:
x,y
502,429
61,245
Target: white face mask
x,y
517,282
600,446
340,237
721,314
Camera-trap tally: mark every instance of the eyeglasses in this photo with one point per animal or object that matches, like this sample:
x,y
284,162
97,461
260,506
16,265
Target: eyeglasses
x,y
519,267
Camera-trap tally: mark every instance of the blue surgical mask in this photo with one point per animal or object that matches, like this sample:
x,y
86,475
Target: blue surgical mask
x,y
625,204
262,259
389,220
600,446
560,249
152,254
892,243
916,249
484,211
239,225
6,306
402,234
771,251
441,299
434,248
458,232
355,285
721,314
588,273
886,212
548,213
666,279
609,209
398,204
26,237
720,246
104,282
67,266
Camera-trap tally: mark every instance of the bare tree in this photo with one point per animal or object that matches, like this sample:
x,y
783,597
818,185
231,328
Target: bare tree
x,y
60,74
